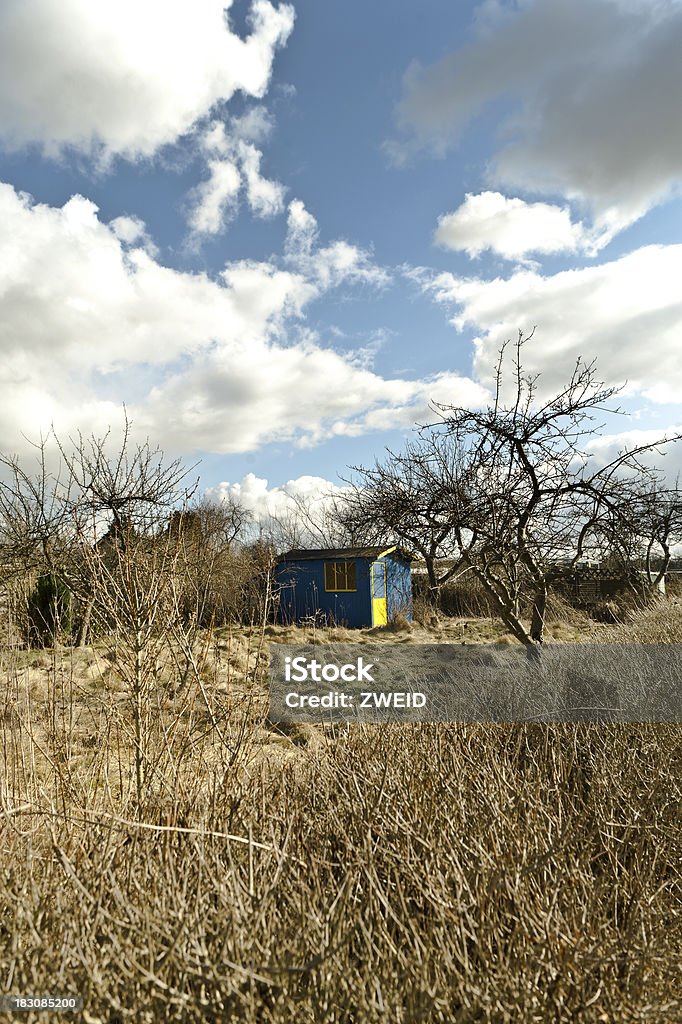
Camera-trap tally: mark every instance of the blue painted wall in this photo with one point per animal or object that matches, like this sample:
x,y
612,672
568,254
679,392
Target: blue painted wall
x,y
399,587
302,593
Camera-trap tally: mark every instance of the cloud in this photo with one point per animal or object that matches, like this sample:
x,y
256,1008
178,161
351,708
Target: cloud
x,y
234,169
128,229
253,493
293,515
255,125
331,264
627,313
511,228
89,318
591,88
126,78
236,399
302,231
666,459
265,198
215,199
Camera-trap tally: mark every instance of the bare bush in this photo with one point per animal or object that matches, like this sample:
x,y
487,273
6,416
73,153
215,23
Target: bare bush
x,y
429,873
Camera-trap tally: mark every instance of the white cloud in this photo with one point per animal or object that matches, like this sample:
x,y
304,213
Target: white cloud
x,y
265,197
627,313
215,199
88,321
411,402
331,264
511,228
594,90
126,78
295,514
253,493
255,125
302,230
236,399
128,229
234,168
665,459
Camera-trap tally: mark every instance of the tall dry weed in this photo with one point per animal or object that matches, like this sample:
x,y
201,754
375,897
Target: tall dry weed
x,y
390,874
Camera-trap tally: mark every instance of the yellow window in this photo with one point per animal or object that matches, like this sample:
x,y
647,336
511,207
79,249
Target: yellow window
x,y
340,576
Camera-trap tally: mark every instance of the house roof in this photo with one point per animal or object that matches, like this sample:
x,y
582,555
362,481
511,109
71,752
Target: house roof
x,y
315,554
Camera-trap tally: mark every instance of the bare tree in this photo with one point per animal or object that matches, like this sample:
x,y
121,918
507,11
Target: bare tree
x,y
34,512
216,525
214,566
509,492
307,523
92,515
415,497
118,497
649,529
662,520
535,496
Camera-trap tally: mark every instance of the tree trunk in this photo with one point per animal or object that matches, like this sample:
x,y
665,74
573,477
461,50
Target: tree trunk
x,y
433,593
505,610
537,624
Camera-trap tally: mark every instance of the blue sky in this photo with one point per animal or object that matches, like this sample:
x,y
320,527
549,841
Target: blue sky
x,y
278,232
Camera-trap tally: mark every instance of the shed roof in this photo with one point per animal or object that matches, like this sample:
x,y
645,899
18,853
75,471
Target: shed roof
x,y
314,554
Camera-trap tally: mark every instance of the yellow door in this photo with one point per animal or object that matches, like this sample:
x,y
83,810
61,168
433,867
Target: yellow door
x,y
379,610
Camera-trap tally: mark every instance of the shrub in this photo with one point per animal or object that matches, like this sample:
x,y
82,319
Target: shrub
x,y
49,611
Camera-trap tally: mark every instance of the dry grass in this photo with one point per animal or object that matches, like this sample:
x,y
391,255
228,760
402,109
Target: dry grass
x,y
396,874
564,623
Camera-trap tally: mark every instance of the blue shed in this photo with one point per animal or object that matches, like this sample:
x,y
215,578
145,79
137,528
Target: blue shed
x,y
345,586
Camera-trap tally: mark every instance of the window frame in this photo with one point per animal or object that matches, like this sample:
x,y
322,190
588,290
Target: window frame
x,y
331,570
